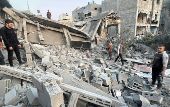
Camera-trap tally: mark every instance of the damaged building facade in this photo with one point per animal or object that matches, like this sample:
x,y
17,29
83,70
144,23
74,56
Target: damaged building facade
x,y
92,9
136,15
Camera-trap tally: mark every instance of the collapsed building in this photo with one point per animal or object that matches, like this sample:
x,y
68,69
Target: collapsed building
x,y
36,29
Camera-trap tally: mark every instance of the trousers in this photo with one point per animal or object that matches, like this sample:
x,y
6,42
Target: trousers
x,y
157,75
10,54
120,55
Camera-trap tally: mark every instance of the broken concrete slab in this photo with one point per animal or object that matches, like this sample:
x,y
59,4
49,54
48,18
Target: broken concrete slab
x,y
32,96
5,86
73,100
11,98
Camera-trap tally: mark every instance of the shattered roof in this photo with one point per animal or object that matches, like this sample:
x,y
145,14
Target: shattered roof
x,y
93,24
53,23
5,3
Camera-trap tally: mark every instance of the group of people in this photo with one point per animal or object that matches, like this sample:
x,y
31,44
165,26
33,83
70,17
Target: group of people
x,y
159,63
9,36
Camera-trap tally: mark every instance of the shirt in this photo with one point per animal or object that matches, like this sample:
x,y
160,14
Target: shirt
x,y
110,47
165,58
120,49
9,37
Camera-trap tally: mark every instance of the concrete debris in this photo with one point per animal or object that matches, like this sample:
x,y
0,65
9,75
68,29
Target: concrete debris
x,y
57,74
32,96
11,98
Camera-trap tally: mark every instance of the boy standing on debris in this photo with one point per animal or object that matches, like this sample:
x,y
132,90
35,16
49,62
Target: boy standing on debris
x,y
159,65
110,50
11,41
119,52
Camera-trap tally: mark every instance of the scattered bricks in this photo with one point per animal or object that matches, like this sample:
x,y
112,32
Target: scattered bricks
x,y
54,59
113,77
122,77
105,78
73,100
137,86
140,100
99,60
36,51
37,69
11,98
32,96
129,100
96,73
152,96
107,70
5,86
45,60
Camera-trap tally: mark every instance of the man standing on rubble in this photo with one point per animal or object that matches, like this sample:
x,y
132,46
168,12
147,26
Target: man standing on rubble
x,y
49,14
119,52
159,65
110,50
11,41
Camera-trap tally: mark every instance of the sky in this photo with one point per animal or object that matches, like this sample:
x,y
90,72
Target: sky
x,y
56,7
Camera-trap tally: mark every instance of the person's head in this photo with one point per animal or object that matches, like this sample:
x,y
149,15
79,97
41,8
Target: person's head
x,y
122,43
9,23
48,10
160,48
15,31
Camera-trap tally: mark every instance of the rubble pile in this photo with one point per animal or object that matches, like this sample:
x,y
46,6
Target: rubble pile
x,y
59,76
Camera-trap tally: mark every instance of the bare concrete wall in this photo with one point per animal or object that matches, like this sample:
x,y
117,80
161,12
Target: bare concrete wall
x,y
50,37
77,38
127,10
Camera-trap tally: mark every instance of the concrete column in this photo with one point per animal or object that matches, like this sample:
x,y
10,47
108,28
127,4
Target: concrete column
x,y
25,29
118,29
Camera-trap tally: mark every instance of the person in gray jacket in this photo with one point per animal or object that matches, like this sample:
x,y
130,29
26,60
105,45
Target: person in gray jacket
x,y
159,65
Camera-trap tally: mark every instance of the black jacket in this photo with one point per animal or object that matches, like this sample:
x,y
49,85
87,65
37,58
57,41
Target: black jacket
x,y
9,37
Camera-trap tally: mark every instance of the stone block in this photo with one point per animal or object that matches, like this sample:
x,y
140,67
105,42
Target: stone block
x,y
51,99
73,100
5,86
122,77
54,59
11,98
32,96
106,79
139,99
107,70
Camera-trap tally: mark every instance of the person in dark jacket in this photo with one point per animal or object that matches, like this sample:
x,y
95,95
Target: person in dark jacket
x,y
159,65
11,42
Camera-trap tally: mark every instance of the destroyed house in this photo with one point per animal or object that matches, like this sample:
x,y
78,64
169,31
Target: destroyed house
x,y
100,24
37,29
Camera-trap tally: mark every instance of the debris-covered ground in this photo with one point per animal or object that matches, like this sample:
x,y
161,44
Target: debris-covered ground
x,y
59,76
